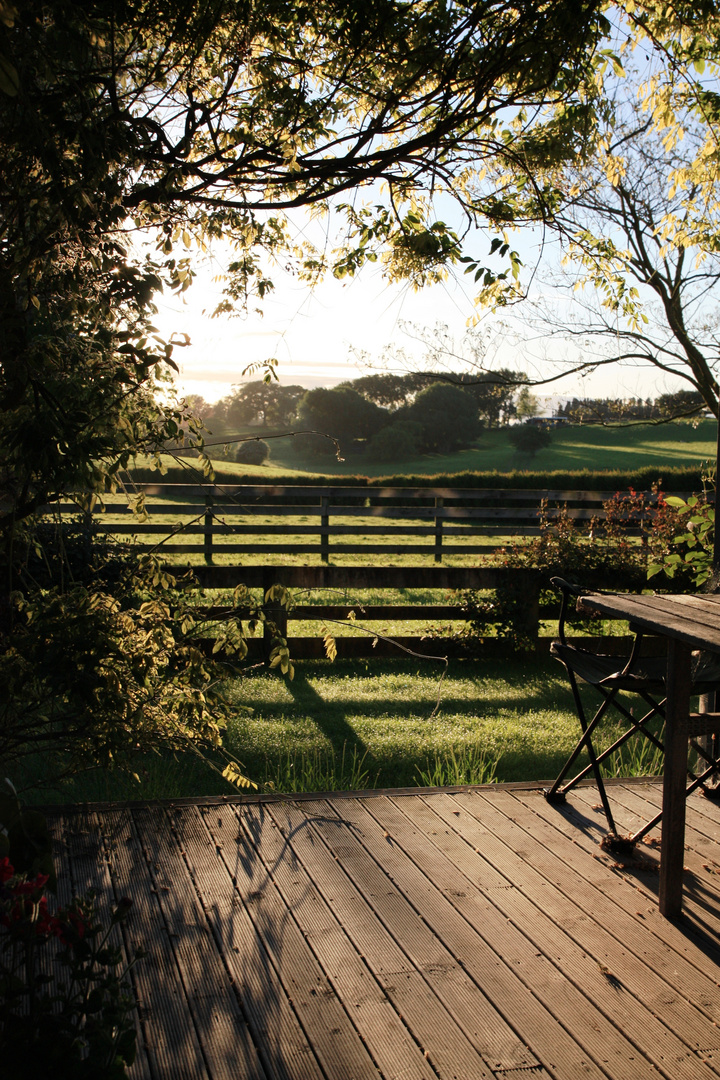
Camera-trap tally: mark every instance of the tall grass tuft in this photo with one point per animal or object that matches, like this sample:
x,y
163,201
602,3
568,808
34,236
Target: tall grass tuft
x,y
637,757
320,770
468,764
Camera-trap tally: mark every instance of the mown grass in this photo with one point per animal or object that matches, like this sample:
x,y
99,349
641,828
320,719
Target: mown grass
x,y
372,724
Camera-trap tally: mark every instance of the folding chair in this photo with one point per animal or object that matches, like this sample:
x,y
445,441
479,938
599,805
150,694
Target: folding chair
x,y
644,676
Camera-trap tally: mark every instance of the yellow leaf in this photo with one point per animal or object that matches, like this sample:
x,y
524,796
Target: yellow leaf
x,y
236,776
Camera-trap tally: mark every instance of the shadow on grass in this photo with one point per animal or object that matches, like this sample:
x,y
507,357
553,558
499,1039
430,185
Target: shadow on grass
x,y
382,712
330,717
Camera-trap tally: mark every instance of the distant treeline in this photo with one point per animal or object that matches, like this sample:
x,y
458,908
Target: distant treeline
x,y
386,417
683,403
392,418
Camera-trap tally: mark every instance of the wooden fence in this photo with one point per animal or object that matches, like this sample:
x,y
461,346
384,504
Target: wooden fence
x,y
328,522
222,524
357,641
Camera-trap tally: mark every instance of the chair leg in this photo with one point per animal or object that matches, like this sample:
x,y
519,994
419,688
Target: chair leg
x,y
709,755
697,782
556,794
636,729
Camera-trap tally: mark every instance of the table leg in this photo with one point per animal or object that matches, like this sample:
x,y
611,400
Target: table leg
x,y
672,851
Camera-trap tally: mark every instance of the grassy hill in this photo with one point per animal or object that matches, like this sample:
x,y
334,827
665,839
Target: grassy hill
x,y
573,449
588,446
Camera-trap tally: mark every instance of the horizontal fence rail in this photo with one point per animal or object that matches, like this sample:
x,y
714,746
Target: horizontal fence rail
x,y
447,578
326,521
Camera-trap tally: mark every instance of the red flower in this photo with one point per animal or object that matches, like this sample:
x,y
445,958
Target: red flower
x,y
7,870
69,926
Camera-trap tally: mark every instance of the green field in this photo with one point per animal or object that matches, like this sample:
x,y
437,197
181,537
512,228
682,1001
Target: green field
x,y
573,447
363,724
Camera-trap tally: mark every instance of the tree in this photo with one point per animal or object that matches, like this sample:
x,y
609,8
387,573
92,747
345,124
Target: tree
x,y
444,357
150,136
526,405
642,267
132,135
680,403
341,413
619,410
387,389
267,404
447,416
493,393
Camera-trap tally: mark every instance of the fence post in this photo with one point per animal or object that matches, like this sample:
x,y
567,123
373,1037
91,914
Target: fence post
x,y
276,621
525,590
324,525
208,528
438,532
533,595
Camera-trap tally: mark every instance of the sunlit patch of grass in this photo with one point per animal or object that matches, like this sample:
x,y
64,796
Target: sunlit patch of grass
x,y
369,723
466,765
636,757
319,770
388,709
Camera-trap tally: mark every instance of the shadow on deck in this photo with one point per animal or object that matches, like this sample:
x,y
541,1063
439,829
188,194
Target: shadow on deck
x,y
464,933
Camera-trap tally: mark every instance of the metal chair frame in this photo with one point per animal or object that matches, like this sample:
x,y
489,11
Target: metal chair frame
x,y
596,670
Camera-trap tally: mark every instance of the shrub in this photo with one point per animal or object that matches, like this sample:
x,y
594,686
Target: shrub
x,y
254,452
65,999
448,417
75,1024
529,438
596,554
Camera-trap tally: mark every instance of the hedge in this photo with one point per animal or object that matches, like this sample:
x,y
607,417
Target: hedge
x,y
671,479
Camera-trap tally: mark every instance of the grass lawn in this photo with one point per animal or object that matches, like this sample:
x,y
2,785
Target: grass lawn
x,y
361,724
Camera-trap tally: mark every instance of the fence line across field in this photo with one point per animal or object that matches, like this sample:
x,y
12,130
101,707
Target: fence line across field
x,y
453,521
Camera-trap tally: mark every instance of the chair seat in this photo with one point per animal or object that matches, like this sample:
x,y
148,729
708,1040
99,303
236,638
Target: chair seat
x,y
648,672
599,668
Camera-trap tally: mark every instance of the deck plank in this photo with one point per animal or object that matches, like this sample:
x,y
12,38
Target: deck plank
x,y
477,934
170,1036
337,1043
284,1047
602,893
369,1009
487,945
701,897
654,997
217,1016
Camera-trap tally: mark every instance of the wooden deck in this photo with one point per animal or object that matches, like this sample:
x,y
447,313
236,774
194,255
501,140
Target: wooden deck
x,y
459,934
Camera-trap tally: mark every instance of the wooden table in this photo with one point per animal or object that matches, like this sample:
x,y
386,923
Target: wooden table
x,y
688,622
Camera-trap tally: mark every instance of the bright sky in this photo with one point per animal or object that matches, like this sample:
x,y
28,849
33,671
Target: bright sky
x,y
317,334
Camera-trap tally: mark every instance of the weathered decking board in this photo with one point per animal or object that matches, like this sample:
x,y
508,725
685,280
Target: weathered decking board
x,y
459,934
